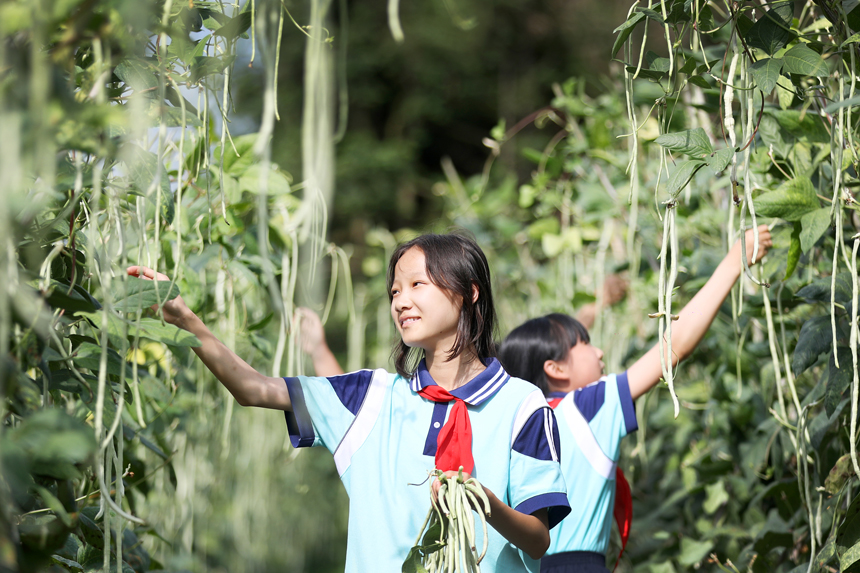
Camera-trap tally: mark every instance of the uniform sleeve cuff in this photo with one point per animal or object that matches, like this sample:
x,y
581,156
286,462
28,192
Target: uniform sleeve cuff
x,y
556,504
299,424
628,408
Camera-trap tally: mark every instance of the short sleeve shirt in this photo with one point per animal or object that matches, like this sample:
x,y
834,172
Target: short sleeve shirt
x,y
607,406
383,437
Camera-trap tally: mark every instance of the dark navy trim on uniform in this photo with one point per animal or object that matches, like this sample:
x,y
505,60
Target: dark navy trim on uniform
x,y
299,424
437,420
590,399
532,440
628,409
552,395
573,562
474,392
556,504
351,388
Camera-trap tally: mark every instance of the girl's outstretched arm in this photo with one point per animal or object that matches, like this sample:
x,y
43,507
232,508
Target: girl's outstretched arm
x,y
314,344
248,386
697,316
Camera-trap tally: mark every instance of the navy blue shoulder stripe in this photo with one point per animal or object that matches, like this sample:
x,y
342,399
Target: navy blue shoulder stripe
x,y
539,438
351,388
590,399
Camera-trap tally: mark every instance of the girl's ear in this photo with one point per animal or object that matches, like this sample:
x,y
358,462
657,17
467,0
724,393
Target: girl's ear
x,y
555,370
475,293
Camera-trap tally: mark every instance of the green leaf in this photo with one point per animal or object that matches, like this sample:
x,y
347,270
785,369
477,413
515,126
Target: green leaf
x,y
699,81
802,60
692,551
775,533
143,169
853,39
153,329
651,14
719,160
791,201
819,290
682,176
202,66
805,127
137,74
657,63
837,105
716,497
815,337
234,27
55,443
838,379
773,30
624,31
69,564
848,536
765,73
689,66
412,563
135,294
771,134
54,505
76,300
785,93
693,142
841,472
793,251
89,356
815,224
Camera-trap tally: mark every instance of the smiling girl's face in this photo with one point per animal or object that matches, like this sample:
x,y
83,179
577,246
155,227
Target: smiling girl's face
x,y
426,315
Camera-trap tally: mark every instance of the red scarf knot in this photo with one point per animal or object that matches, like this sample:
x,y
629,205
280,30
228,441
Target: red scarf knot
x,y
454,443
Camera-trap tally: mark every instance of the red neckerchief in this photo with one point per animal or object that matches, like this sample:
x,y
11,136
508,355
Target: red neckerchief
x,y
454,443
623,509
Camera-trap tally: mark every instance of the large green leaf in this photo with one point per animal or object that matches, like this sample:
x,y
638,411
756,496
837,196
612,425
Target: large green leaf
x,y
203,66
624,31
135,294
815,337
153,329
138,74
692,551
693,142
765,73
771,134
791,201
773,30
848,537
56,444
235,27
682,176
805,127
720,159
819,290
71,300
838,379
815,224
800,59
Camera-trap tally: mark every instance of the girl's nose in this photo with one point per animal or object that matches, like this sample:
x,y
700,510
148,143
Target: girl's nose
x,y
599,353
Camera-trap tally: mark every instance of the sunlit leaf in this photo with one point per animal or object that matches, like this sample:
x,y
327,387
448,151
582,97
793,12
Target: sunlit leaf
x,y
682,176
815,224
791,201
848,537
135,294
693,142
765,73
800,59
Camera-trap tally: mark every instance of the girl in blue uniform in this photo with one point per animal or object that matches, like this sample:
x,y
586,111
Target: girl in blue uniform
x,y
594,411
450,403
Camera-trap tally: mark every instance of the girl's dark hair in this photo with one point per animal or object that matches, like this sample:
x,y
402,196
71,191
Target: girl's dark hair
x,y
535,341
454,263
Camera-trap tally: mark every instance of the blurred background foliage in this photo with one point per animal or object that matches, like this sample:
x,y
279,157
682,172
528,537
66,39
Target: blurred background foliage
x,y
114,119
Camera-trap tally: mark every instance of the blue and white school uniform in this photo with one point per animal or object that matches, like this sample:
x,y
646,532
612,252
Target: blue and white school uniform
x,y
383,437
592,421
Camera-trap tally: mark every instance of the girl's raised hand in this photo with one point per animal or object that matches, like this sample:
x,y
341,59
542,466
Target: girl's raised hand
x,y
765,242
174,310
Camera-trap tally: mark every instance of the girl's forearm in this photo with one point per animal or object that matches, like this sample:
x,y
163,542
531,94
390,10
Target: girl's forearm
x,y
247,385
528,532
325,363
